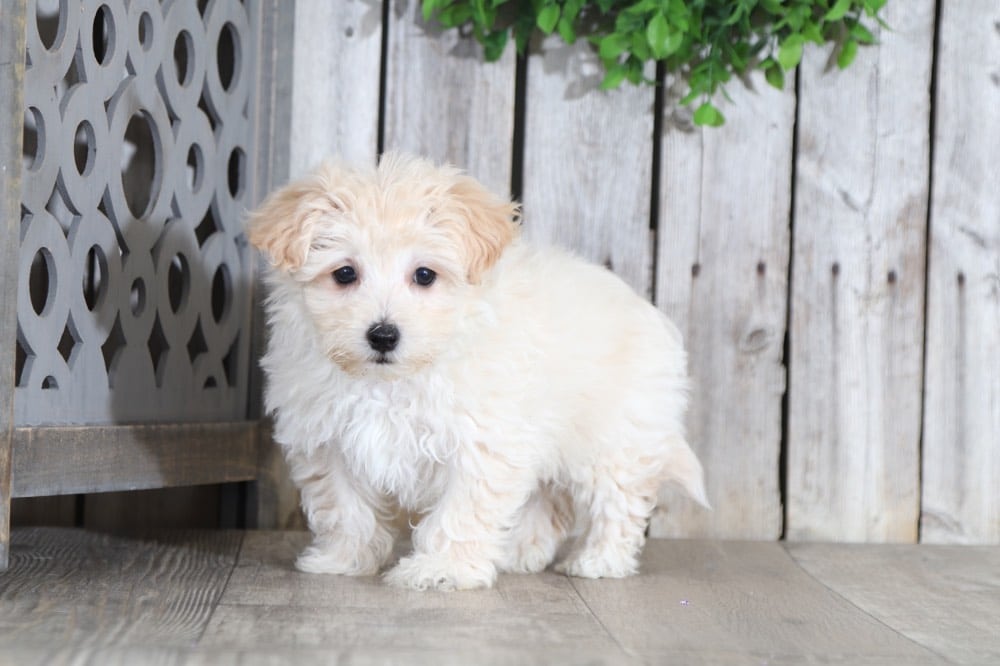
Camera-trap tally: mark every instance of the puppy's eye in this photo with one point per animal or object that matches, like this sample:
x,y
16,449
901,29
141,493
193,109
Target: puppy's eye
x,y
345,275
424,276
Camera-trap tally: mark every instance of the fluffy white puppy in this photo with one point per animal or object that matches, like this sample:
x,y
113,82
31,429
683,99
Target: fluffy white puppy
x,y
422,356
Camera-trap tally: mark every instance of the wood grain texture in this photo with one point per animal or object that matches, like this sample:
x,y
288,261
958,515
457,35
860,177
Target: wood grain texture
x,y
12,37
55,461
952,593
739,599
856,364
195,597
268,603
961,455
722,268
70,587
588,158
331,655
443,102
335,94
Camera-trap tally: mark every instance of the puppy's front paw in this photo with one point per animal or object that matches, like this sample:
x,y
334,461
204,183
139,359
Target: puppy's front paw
x,y
433,572
597,565
333,557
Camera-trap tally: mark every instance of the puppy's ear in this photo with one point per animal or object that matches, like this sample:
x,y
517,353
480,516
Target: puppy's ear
x,y
492,223
284,225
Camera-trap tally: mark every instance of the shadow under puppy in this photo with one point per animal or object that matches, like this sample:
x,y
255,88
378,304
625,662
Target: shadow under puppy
x,y
421,354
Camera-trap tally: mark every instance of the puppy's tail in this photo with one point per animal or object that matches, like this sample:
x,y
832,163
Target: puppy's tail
x,y
682,467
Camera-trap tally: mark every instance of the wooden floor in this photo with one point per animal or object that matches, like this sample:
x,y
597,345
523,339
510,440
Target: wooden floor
x,y
81,597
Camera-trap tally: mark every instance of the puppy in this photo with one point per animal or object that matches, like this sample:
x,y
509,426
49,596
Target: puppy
x,y
422,356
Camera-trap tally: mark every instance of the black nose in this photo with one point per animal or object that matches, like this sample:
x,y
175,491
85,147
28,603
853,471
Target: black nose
x,y
383,337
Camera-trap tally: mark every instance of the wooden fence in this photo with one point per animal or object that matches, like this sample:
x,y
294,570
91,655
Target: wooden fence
x,y
832,253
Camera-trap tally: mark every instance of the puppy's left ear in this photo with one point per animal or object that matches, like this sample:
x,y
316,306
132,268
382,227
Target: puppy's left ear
x,y
492,223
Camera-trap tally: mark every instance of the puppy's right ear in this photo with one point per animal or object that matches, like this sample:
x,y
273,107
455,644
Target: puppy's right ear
x,y
284,225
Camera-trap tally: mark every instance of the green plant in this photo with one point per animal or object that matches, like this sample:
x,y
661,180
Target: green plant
x,y
706,42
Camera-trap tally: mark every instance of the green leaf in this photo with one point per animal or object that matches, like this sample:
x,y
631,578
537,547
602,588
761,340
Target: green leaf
x,y
862,34
455,15
613,46
872,7
838,10
566,30
633,70
680,15
572,8
522,34
658,36
547,19
614,77
494,44
812,33
790,51
775,75
707,115
428,8
847,53
640,46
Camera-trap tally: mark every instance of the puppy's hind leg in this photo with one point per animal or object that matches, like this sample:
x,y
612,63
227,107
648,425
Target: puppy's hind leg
x,y
540,530
618,513
350,522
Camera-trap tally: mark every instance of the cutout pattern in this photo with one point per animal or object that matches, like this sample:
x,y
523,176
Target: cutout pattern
x,y
134,271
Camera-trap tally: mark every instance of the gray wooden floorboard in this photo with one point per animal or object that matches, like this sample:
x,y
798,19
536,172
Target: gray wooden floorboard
x,y
191,598
722,602
75,587
269,603
944,597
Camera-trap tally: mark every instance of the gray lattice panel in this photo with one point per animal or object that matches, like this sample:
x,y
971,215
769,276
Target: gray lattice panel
x,y
134,277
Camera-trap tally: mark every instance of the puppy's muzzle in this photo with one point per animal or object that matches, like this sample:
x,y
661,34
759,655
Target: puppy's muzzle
x,y
383,337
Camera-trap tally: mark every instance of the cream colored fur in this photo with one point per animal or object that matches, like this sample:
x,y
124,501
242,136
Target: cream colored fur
x,y
529,391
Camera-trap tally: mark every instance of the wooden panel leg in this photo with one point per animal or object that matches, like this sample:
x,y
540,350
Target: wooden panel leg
x,y
12,36
5,504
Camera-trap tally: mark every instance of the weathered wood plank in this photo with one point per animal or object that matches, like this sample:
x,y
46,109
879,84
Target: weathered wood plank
x,y
588,158
331,655
444,102
55,461
722,274
961,456
335,91
737,598
856,362
269,603
947,598
12,37
275,108
71,587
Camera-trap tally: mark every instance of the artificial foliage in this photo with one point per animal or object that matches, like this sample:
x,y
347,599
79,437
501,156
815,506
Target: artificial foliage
x,y
706,42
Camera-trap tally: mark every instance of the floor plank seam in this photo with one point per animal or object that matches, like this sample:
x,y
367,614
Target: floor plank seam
x,y
861,610
225,587
600,622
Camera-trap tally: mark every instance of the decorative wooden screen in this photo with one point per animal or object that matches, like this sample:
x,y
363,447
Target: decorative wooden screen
x,y
134,273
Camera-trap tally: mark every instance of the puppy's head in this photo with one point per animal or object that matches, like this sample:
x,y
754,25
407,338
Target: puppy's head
x,y
387,259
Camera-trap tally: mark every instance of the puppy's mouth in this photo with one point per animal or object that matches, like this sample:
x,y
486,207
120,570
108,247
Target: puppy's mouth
x,y
382,359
